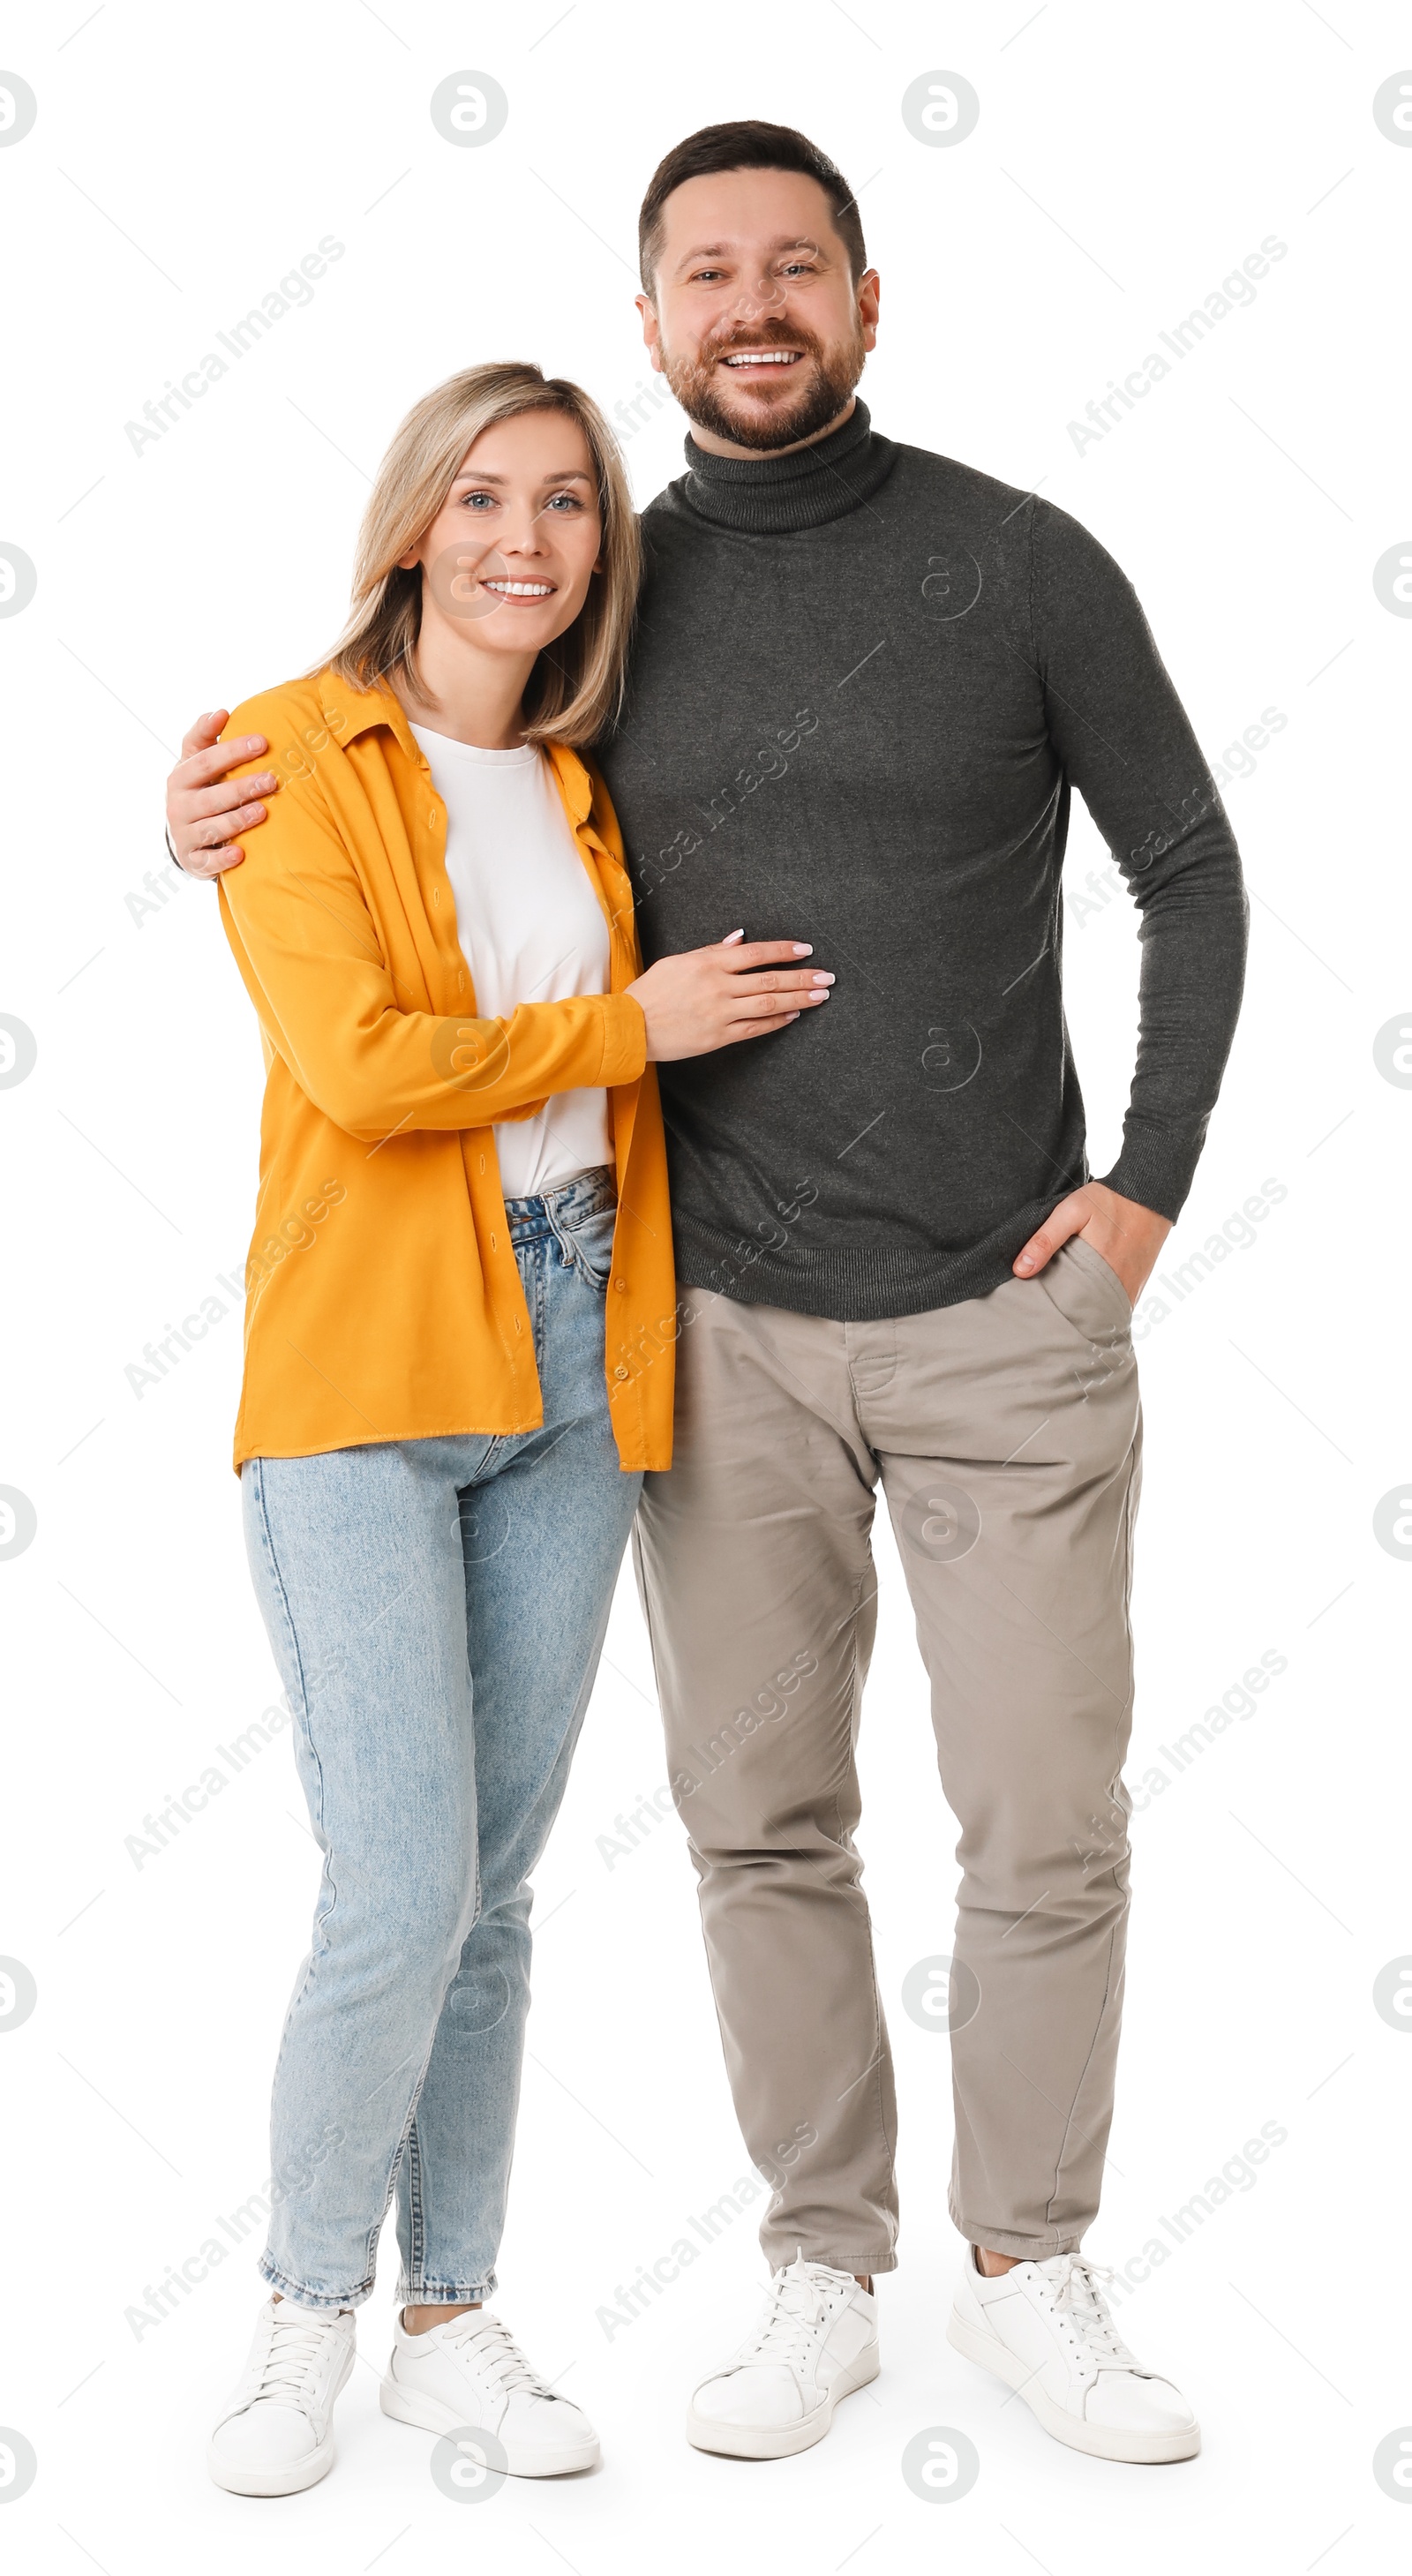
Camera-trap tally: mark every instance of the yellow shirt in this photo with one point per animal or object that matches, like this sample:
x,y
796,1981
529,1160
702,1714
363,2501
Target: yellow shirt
x,y
383,1294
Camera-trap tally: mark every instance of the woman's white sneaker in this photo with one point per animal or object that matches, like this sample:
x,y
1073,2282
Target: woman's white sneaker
x,y
1045,2329
816,2342
275,2434
472,2372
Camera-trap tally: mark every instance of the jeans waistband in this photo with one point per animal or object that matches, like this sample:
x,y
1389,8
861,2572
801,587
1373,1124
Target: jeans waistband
x,y
560,1210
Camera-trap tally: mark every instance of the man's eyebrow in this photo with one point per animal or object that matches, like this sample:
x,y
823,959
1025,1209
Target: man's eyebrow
x,y
718,250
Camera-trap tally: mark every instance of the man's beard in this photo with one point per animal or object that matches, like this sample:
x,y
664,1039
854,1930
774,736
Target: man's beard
x,y
701,387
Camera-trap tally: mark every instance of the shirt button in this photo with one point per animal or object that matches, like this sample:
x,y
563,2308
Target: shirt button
x,y
620,1370
622,1287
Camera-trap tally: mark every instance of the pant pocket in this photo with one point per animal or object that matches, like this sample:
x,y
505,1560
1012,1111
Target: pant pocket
x,y
1087,1292
590,1245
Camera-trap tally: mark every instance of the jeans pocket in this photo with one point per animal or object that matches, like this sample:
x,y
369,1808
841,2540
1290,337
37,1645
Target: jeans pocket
x,y
591,1244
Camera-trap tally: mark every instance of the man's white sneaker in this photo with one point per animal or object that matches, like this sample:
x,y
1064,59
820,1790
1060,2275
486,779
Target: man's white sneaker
x,y
1046,2330
816,2342
275,2433
471,2371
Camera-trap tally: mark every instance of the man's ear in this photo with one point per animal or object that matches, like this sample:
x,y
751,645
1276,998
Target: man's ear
x,y
651,331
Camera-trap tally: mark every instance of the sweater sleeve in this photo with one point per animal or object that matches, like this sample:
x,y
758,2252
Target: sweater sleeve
x,y
1124,741
308,951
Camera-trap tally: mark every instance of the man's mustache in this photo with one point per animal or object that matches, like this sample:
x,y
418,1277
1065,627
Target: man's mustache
x,y
775,336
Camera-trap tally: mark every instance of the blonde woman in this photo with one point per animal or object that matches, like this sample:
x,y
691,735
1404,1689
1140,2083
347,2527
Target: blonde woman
x,y
440,1439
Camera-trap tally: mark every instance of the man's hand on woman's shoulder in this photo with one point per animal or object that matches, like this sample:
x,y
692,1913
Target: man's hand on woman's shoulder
x,y
206,810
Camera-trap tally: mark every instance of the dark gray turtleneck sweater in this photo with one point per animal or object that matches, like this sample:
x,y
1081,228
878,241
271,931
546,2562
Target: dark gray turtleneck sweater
x,y
867,680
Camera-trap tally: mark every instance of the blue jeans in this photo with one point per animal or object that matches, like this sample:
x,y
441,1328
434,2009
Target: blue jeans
x,y
437,1609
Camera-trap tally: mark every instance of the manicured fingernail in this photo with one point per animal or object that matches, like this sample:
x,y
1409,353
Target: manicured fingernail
x,y
802,948
1024,1262
823,979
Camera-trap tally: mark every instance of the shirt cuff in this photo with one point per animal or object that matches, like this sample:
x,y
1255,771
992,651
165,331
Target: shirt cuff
x,y
1155,1170
624,1040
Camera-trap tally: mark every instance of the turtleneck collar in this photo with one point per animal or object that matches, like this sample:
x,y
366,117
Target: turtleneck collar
x,y
776,496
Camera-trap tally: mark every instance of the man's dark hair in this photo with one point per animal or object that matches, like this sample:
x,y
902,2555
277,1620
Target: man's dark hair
x,y
746,145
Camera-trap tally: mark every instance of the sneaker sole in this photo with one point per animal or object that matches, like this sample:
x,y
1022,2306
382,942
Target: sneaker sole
x,y
409,2406
780,2441
1100,2441
288,2480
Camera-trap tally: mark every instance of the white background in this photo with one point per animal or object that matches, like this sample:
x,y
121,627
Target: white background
x,y
182,161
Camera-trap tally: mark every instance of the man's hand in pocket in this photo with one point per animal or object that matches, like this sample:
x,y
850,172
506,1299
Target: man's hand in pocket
x,y
1125,1235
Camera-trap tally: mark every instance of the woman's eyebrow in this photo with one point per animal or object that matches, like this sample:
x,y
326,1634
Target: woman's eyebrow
x,y
569,474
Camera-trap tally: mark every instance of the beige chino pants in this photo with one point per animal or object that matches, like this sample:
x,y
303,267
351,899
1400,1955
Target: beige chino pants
x,y
1006,1434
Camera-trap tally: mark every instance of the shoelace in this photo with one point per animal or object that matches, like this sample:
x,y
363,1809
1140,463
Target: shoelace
x,y
494,2354
296,2344
799,2298
1078,2287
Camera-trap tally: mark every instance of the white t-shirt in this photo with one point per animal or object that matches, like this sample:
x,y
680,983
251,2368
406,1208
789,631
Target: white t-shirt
x,y
530,929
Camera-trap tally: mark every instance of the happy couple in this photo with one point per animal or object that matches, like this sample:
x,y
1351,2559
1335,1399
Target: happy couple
x,y
613,889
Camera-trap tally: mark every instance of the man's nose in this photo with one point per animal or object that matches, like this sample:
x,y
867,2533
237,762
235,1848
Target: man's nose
x,y
766,297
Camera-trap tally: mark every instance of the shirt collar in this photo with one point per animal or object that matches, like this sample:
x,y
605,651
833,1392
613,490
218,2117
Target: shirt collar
x,y
350,711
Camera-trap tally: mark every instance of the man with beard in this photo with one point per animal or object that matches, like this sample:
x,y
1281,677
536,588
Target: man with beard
x,y
867,681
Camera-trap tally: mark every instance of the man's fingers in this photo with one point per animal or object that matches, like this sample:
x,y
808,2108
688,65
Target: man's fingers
x,y
218,835
204,730
205,803
204,766
213,863
1037,1251
1070,1217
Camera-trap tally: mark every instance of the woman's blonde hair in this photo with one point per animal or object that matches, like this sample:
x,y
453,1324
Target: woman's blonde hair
x,y
576,686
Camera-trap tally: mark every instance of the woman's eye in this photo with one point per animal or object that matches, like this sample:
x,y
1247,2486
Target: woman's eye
x,y
472,500
569,500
